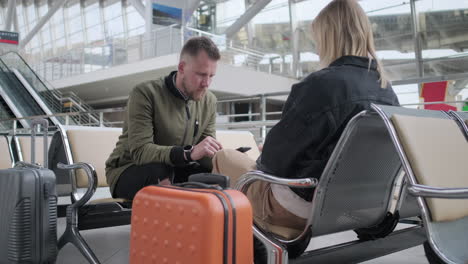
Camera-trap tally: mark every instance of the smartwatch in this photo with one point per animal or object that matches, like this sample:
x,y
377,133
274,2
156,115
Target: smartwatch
x,y
187,153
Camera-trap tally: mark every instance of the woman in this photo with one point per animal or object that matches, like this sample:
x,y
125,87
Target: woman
x,y
314,117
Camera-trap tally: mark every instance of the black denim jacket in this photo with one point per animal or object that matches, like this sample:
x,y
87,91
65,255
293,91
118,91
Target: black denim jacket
x,y
316,113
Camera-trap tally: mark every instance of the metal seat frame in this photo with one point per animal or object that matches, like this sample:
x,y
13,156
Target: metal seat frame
x,y
365,130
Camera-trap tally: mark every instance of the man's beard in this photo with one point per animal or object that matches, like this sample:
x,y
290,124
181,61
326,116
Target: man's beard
x,y
190,96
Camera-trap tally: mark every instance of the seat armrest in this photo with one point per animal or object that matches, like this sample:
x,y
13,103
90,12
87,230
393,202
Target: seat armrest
x,y
247,179
276,251
92,182
437,192
250,177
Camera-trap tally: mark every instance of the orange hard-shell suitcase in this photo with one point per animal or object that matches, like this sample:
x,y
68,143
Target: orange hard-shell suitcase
x,y
195,224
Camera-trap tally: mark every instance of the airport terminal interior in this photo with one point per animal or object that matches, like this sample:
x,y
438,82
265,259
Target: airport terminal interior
x,y
73,63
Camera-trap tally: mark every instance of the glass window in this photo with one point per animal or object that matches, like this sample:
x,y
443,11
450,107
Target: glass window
x,y
76,38
113,10
407,94
444,36
136,23
75,25
2,15
46,38
19,13
228,12
31,17
93,15
34,43
113,19
58,26
277,11
94,34
74,10
45,31
94,31
75,30
43,9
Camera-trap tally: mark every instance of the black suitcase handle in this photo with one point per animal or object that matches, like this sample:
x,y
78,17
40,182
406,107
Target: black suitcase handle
x,y
210,178
199,185
45,126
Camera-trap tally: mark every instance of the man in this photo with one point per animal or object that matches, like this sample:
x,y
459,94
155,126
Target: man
x,y
169,126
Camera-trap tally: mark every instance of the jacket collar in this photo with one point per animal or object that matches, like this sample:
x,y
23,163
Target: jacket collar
x,y
355,61
169,81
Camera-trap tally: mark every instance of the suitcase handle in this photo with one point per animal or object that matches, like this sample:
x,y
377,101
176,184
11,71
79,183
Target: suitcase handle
x,y
199,185
45,126
210,178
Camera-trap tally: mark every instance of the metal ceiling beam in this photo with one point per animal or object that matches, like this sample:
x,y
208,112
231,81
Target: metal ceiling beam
x,y
15,21
428,79
294,38
9,16
250,13
140,8
57,5
417,40
456,87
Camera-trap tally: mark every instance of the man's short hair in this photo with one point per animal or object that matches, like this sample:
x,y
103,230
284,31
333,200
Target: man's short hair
x,y
193,46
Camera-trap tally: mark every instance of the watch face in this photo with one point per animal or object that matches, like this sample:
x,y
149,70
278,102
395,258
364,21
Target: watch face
x,y
188,148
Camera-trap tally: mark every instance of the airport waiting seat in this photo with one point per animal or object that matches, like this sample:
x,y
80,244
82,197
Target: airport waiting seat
x,y
232,139
6,154
355,192
435,152
82,151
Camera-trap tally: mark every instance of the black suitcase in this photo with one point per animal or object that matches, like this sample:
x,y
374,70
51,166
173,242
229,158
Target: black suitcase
x,y
28,206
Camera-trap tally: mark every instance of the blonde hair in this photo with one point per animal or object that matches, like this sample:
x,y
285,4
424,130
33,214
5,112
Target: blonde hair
x,y
343,28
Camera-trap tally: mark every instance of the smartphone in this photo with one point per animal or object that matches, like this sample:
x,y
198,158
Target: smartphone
x,y
243,149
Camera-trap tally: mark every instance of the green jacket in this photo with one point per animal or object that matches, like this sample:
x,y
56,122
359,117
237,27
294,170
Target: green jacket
x,y
158,123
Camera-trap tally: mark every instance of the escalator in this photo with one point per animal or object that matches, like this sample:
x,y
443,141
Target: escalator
x,y
6,113
51,100
16,100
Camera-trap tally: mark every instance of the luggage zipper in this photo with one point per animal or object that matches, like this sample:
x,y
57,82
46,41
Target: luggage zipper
x,y
234,230
38,207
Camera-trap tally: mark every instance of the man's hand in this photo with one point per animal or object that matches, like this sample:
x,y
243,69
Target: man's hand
x,y
207,148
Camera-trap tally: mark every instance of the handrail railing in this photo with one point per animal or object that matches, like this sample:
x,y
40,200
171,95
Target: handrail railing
x,y
255,126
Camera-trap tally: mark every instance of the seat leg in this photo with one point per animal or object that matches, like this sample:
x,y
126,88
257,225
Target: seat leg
x,y
72,235
277,254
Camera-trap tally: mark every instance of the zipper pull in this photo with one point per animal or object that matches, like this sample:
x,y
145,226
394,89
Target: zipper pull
x,y
195,131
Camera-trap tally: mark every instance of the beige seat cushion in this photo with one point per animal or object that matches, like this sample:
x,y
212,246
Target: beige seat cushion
x,y
25,145
234,139
5,158
108,200
93,146
437,152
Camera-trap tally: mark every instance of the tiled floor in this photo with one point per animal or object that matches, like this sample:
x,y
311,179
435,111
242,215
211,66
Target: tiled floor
x,y
111,245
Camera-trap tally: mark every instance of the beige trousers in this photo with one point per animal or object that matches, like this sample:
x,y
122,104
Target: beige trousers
x,y
267,212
